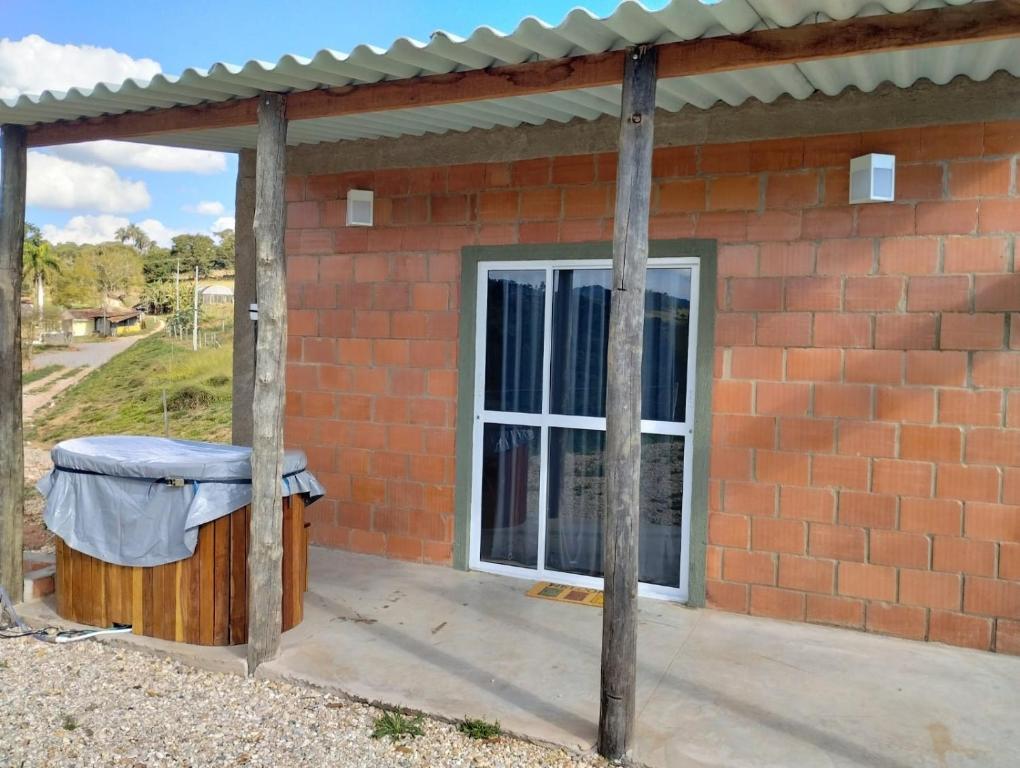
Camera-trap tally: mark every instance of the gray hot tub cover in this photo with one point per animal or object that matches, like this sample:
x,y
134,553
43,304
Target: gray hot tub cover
x,y
105,497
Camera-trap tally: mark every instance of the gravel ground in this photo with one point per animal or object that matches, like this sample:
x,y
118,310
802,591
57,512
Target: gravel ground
x,y
90,704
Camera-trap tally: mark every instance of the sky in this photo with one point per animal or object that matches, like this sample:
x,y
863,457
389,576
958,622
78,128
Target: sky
x,y
83,193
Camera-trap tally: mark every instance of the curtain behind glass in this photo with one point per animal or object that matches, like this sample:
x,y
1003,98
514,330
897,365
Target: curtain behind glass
x,y
515,333
664,361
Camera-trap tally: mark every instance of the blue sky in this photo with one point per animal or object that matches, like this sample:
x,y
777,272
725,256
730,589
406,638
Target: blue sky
x,y
196,34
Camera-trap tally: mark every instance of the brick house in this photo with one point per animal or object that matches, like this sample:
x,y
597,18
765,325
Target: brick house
x,y
831,427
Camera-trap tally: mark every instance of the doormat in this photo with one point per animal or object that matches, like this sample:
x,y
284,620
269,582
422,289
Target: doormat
x,y
562,593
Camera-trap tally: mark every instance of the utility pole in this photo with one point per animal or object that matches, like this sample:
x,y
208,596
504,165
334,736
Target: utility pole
x,y
194,322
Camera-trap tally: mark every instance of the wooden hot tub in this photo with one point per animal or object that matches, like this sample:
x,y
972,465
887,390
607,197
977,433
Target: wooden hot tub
x,y
201,599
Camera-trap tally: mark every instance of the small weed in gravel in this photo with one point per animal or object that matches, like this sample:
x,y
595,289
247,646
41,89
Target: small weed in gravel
x,y
479,729
69,723
396,725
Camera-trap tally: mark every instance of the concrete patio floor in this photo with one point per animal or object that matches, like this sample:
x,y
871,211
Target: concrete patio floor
x,y
713,689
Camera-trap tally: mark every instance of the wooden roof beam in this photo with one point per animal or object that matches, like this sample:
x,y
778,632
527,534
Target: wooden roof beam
x,y
981,22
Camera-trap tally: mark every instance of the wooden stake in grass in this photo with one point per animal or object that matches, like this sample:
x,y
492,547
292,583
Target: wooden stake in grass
x,y
623,405
265,548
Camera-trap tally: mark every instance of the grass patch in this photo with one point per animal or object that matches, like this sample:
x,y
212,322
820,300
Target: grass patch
x,y
69,723
125,396
479,729
37,374
397,726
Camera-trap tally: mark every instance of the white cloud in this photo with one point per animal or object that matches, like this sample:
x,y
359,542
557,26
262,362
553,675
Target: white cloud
x,y
206,208
33,64
54,182
125,154
222,223
103,229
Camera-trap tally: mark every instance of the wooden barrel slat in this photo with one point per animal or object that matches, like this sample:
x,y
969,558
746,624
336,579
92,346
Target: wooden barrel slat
x,y
201,599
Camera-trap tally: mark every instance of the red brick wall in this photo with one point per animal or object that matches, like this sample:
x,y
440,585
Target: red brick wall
x,y
865,467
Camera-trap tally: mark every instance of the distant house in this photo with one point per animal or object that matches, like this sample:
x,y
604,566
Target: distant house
x,y
217,294
104,322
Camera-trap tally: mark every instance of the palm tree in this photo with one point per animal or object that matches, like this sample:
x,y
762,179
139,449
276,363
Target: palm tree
x,y
39,267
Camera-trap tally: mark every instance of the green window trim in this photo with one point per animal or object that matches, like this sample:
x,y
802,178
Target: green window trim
x,y
705,252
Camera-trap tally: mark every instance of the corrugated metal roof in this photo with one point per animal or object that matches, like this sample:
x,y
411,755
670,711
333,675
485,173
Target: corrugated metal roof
x,y
579,33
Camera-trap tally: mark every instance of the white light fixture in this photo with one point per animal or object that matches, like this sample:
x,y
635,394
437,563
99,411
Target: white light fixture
x,y
873,179
359,207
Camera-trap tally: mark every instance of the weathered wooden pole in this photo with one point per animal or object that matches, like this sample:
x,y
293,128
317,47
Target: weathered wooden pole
x,y
12,450
623,405
244,296
265,548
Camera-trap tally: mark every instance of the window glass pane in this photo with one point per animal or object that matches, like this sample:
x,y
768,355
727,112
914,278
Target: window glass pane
x,y
576,505
580,331
664,360
515,333
511,461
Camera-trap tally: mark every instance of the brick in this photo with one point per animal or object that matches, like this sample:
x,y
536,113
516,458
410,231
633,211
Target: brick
x,y
885,220
867,366
961,630
778,535
919,182
756,363
814,504
975,254
777,154
998,215
588,202
750,294
783,329
880,294
947,369
997,292
781,467
303,215
813,435
996,369
967,483
839,472
905,331
977,408
738,260
728,530
908,256
947,218
731,396
992,597
734,193
972,332
1009,561
858,438
943,142
1011,486
734,329
842,330
981,178
674,161
814,364
992,522
903,550
749,567
905,404
871,582
727,226
726,596
744,431
851,401
779,259
1002,138
500,205
930,443
725,158
817,294
1007,636
777,603
839,611
869,510
819,223
780,398
807,574
902,478
750,498
956,555
845,257
938,293
834,150
938,516
838,542
573,169
774,225
993,446
899,620
730,463
681,196
530,173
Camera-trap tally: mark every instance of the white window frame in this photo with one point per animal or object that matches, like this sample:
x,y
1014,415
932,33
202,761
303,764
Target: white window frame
x,y
546,420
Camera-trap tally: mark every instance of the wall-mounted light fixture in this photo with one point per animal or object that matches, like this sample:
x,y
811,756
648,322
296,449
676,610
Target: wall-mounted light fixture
x,y
359,207
873,179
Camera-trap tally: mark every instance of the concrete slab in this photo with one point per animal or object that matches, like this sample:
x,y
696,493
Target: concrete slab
x,y
714,689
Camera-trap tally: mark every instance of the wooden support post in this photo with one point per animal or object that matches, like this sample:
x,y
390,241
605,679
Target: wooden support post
x,y
623,404
12,449
265,548
244,295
